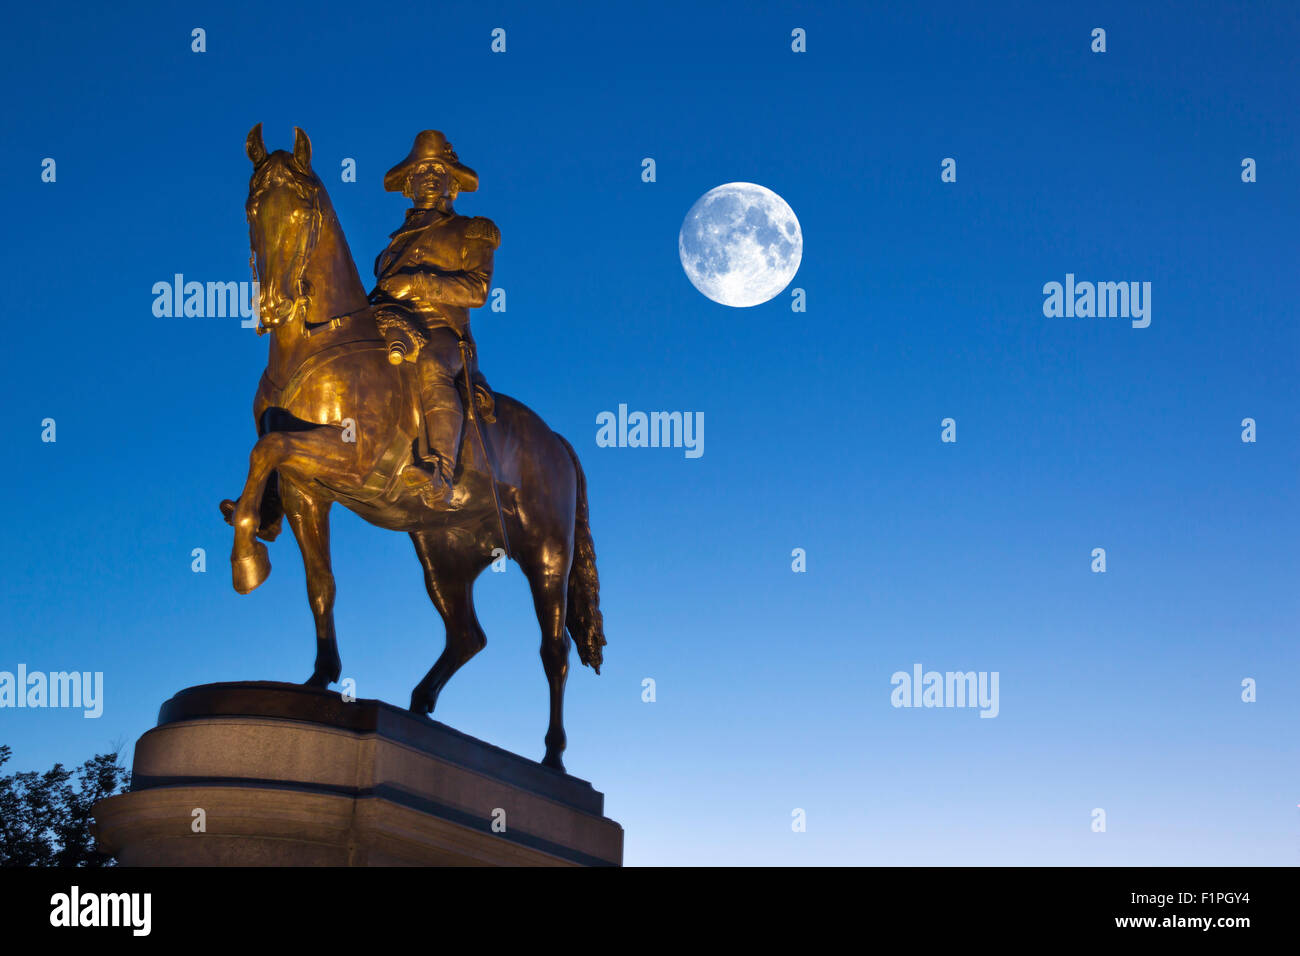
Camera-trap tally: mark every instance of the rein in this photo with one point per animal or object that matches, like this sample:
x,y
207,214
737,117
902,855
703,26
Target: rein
x,y
310,238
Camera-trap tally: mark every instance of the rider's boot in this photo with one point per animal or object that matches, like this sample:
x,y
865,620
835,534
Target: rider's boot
x,y
437,455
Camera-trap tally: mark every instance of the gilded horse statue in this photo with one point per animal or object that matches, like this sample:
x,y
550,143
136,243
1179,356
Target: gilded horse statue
x,y
337,421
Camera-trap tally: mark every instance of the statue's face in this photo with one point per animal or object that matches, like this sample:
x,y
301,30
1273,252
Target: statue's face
x,y
427,183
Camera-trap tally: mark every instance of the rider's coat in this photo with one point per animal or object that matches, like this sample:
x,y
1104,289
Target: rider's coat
x,y
448,260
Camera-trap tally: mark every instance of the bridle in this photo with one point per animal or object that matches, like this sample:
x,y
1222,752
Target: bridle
x,y
302,290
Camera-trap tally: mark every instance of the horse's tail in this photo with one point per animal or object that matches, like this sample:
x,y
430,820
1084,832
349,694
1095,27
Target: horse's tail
x,y
584,620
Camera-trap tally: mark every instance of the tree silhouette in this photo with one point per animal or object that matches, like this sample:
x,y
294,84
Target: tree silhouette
x,y
45,821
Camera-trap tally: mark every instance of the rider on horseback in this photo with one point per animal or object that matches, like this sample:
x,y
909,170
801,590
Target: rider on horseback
x,y
436,268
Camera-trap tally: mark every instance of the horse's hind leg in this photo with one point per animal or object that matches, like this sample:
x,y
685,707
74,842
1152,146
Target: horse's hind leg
x,y
452,593
549,580
310,520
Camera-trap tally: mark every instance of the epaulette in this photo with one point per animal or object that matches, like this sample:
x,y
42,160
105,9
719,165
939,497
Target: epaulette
x,y
480,227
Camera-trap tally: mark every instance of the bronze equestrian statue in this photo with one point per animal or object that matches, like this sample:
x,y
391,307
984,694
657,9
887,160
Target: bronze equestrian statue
x,y
420,446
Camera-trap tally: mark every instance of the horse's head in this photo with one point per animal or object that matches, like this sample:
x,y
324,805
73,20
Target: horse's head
x,y
284,211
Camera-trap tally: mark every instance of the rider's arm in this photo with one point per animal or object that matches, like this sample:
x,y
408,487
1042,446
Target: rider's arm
x,y
467,288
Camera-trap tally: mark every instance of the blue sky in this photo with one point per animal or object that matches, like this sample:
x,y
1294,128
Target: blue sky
x,y
1119,690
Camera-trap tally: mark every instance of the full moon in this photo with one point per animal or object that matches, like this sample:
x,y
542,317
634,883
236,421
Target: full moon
x,y
740,244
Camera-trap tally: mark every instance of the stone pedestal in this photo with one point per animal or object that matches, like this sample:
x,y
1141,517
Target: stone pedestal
x,y
289,776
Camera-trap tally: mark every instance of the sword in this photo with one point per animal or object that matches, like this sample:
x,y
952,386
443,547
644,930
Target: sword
x,y
472,414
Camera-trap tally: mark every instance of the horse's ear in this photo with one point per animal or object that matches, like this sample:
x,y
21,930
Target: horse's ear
x,y
255,147
301,150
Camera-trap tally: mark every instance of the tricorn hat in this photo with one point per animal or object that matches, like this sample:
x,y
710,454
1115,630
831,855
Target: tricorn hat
x,y
431,147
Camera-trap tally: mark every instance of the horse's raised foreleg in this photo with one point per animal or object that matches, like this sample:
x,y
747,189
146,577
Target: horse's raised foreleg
x,y
310,520
315,453
452,593
272,510
549,580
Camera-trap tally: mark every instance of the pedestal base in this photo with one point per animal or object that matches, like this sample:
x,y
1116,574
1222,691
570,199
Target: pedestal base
x,y
267,774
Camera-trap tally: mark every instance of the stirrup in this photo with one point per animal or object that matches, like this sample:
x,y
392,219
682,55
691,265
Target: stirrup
x,y
427,477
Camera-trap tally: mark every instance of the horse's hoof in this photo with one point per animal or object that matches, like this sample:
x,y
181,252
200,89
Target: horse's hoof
x,y
554,762
228,511
327,669
421,703
250,570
